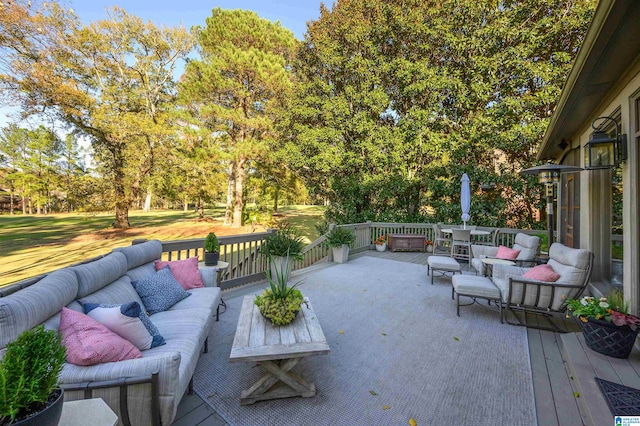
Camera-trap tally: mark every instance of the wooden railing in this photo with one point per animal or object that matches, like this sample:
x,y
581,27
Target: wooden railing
x,y
242,252
247,265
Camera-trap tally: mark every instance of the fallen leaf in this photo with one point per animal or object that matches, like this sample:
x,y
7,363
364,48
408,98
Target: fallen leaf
x,y
341,332
384,334
386,407
571,377
456,339
373,393
576,394
413,422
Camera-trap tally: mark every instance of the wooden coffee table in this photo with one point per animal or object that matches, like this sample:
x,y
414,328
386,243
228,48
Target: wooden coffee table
x,y
278,349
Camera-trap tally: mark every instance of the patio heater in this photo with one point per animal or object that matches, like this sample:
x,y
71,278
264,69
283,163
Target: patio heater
x,y
549,175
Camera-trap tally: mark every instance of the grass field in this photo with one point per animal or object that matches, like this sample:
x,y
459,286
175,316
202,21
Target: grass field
x,y
33,245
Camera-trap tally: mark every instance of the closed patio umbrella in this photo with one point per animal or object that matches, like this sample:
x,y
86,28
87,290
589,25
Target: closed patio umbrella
x,y
465,199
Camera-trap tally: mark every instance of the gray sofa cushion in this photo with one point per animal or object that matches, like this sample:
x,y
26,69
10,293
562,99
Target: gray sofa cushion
x,y
97,274
207,297
120,291
35,304
140,254
142,271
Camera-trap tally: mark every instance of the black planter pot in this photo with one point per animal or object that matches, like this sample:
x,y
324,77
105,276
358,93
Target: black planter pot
x,y
50,416
211,259
608,339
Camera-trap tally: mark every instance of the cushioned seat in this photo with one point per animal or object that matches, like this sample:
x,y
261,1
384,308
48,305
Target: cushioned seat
x,y
527,244
442,264
520,293
475,287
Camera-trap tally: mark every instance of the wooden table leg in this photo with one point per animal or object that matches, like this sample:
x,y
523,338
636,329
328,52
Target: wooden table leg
x,y
278,372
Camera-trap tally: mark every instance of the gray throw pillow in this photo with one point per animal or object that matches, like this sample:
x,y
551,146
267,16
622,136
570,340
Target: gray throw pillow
x,y
159,291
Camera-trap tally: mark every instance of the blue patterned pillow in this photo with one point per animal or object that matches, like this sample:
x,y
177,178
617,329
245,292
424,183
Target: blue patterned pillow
x,y
160,291
128,321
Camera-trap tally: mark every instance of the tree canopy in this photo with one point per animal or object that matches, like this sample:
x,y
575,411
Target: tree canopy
x,y
395,100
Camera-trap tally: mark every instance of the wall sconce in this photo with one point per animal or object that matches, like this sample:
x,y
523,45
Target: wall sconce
x,y
603,151
549,174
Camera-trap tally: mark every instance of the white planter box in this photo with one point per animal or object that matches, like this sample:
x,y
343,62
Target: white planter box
x,y
341,254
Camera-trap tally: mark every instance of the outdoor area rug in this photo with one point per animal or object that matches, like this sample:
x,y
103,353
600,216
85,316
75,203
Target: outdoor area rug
x,y
398,352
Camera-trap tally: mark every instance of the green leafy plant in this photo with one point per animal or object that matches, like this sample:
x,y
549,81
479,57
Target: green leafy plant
x,y
211,243
280,302
339,236
611,309
285,241
29,373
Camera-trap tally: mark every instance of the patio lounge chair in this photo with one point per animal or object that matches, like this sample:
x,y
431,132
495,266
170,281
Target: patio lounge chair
x,y
547,298
527,244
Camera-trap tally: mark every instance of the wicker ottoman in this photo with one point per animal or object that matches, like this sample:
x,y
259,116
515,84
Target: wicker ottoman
x,y
443,264
476,288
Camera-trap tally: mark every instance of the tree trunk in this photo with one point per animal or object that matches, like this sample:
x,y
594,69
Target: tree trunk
x,y
185,205
11,203
147,202
239,202
24,204
122,204
231,188
276,195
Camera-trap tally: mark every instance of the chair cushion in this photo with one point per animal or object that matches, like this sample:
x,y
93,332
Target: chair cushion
x,y
507,253
184,271
470,285
160,291
542,273
89,343
128,321
139,254
94,275
443,263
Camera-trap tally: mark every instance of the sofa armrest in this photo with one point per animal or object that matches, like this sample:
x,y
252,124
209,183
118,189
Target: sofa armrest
x,y
166,365
548,296
482,250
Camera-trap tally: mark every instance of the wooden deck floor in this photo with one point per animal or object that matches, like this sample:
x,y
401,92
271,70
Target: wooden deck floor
x,y
558,375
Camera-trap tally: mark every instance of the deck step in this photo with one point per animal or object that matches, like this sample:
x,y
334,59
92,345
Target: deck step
x,y
584,365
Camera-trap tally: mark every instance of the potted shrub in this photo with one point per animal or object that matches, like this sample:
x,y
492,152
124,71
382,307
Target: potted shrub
x,y
381,243
279,303
339,239
607,326
211,250
282,247
29,374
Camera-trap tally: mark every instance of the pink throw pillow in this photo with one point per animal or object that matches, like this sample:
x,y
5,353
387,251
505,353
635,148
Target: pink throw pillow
x,y
184,271
507,253
542,273
89,343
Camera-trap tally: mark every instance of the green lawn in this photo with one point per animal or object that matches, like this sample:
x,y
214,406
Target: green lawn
x,y
33,245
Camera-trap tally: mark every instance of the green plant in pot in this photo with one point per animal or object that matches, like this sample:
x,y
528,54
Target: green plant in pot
x,y
280,303
211,250
607,326
29,370
339,239
282,246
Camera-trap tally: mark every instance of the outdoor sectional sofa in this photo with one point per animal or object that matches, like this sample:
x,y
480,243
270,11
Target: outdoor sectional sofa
x,y
155,383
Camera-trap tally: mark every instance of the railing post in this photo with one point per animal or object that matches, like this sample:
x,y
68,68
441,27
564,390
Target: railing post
x,y
330,253
369,235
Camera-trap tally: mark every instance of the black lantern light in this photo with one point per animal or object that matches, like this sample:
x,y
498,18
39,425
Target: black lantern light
x,y
603,151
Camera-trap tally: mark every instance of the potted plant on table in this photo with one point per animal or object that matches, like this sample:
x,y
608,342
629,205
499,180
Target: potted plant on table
x,y
339,239
282,246
211,250
29,374
279,303
607,326
381,243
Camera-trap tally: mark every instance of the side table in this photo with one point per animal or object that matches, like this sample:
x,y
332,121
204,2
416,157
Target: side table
x,y
92,411
490,261
212,277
